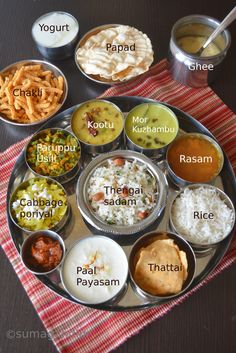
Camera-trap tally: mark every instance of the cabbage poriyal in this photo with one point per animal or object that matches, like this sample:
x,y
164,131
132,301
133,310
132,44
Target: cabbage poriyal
x,y
39,204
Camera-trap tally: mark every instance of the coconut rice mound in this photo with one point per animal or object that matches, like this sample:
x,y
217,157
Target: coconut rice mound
x,y
130,175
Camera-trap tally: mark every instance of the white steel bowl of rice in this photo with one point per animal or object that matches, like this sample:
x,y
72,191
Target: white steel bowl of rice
x,y
121,192
203,215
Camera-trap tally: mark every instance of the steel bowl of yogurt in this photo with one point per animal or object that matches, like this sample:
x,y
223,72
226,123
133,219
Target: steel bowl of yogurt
x,y
56,34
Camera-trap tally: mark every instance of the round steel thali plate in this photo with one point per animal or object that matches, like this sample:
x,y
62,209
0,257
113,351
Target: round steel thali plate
x,y
77,228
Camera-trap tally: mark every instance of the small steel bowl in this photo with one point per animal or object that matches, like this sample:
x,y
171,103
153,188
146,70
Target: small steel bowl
x,y
223,196
57,53
97,149
56,227
182,182
98,78
28,241
124,267
150,152
46,66
87,211
62,178
146,240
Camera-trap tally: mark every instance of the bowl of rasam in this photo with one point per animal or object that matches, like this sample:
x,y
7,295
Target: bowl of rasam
x,y
194,158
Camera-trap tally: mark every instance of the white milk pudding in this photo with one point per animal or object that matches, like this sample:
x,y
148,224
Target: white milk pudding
x,y
95,270
55,29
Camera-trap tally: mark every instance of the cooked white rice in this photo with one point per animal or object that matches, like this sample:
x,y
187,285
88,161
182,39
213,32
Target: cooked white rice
x,y
202,231
131,175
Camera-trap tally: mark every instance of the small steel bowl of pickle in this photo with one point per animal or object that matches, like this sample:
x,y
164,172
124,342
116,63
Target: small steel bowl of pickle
x,y
42,252
54,153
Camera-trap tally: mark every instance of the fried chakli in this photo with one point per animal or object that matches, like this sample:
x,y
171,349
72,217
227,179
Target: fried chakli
x,y
29,109
158,282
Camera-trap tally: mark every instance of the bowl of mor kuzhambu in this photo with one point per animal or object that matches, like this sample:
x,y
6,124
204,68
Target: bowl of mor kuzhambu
x,y
31,92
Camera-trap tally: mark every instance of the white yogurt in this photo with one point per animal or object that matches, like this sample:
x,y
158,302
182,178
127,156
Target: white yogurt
x,y
95,270
55,29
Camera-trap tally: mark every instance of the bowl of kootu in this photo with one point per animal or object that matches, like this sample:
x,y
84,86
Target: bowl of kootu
x,y
98,124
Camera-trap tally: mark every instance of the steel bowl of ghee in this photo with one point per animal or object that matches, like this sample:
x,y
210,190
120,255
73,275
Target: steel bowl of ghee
x,y
187,37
